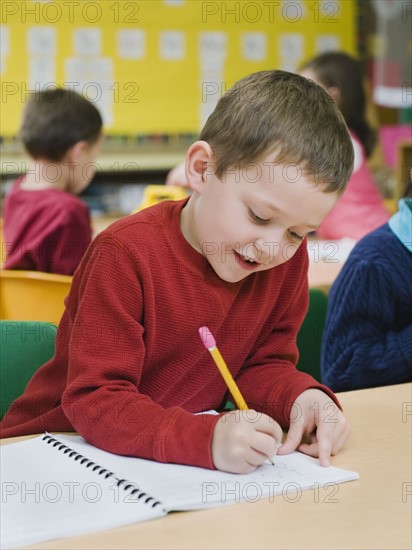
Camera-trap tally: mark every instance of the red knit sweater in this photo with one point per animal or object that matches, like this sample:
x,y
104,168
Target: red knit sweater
x,y
130,369
46,230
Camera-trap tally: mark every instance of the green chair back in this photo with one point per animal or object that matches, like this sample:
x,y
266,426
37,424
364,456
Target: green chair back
x,y
25,346
309,340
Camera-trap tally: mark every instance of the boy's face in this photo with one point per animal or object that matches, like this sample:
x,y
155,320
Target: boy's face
x,y
331,90
252,219
84,166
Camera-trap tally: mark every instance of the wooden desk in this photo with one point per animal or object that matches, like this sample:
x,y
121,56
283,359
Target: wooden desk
x,y
326,259
322,274
371,513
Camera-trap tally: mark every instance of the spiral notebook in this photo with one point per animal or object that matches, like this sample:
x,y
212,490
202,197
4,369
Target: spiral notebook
x,y
60,486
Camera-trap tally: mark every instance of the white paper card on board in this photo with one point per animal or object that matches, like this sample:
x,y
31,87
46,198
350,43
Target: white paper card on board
x,y
172,45
131,43
4,40
102,67
327,43
41,72
41,40
213,51
87,41
291,45
290,64
254,46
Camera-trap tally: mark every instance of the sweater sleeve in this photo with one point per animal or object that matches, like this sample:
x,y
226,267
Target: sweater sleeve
x,y
361,347
269,380
106,365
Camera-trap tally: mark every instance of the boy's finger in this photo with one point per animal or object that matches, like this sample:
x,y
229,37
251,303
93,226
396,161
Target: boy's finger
x,y
293,439
270,427
265,444
339,443
313,450
325,441
309,449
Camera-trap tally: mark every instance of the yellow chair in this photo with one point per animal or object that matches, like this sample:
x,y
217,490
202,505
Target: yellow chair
x,y
153,194
32,295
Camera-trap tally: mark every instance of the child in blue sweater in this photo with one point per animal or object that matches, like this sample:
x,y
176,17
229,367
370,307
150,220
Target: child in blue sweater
x,y
368,334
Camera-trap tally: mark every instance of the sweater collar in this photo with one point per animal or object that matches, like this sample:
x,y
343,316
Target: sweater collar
x,y
401,223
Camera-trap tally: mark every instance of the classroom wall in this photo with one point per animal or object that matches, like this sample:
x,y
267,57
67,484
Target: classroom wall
x,y
158,66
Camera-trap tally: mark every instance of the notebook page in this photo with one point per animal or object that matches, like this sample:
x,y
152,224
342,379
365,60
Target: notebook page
x,y
181,487
45,495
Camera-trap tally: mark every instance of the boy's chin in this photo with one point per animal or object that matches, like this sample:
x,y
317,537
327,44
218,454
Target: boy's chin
x,y
228,277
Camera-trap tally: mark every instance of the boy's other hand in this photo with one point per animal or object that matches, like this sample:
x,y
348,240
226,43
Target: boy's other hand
x,y
315,415
243,440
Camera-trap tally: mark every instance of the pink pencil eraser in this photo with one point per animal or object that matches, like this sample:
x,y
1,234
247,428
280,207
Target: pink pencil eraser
x,y
207,338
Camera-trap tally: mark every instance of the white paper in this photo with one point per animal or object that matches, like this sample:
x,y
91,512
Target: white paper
x,y
172,45
46,495
254,46
181,487
42,72
173,3
41,41
131,43
213,51
291,45
4,40
290,64
61,486
327,43
87,41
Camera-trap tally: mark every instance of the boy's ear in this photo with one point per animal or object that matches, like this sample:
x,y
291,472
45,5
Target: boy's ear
x,y
198,161
74,154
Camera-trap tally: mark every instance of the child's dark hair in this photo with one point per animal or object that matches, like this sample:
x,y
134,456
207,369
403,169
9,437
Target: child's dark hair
x,y
283,113
55,119
340,70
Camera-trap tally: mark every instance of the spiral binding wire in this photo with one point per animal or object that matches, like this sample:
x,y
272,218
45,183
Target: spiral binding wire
x,y
130,488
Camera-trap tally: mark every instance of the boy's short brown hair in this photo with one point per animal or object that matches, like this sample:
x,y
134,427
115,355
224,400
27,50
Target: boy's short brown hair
x,y
287,114
55,119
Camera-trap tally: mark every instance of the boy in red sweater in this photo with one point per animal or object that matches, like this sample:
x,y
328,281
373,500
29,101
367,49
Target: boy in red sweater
x,y
130,369
46,227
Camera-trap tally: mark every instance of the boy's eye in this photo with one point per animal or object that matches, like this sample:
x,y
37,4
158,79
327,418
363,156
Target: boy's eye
x,y
257,219
296,236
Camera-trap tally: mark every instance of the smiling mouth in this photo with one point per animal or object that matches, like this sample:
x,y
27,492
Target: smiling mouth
x,y
246,262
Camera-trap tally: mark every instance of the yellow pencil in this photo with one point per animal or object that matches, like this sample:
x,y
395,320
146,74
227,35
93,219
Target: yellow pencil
x,y
210,344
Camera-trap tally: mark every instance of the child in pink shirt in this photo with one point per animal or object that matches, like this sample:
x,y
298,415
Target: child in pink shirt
x,y
360,209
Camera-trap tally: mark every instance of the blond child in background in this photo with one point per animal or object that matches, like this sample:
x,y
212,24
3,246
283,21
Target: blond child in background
x,y
46,227
130,369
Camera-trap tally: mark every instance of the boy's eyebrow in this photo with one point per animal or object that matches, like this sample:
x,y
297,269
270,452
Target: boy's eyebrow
x,y
276,209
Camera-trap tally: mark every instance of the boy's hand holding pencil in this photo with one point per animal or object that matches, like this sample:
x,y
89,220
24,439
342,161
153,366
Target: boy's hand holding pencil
x,y
242,439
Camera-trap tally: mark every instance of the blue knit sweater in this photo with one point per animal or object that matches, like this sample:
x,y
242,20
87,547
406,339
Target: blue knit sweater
x,y
368,334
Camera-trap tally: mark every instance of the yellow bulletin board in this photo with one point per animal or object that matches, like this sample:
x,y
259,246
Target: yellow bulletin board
x,y
157,66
